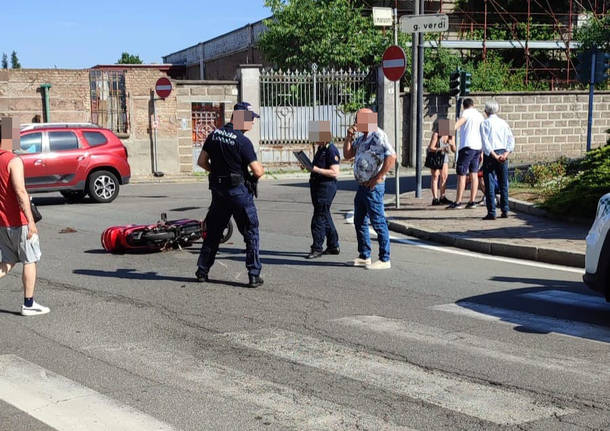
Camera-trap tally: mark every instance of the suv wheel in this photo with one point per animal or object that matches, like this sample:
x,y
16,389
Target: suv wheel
x,y
73,195
103,186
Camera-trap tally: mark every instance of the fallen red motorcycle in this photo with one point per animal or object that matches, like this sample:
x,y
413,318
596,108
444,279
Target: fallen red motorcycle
x,y
163,235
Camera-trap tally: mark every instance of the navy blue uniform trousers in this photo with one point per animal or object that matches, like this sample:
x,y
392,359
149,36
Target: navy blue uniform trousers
x,y
322,226
236,202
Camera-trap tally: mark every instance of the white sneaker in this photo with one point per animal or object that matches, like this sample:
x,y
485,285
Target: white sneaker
x,y
361,262
379,265
35,310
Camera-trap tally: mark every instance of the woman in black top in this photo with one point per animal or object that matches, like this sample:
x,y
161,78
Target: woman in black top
x,y
323,187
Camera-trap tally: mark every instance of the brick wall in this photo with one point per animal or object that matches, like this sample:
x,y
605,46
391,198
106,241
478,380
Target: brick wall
x,y
140,84
189,92
21,97
546,125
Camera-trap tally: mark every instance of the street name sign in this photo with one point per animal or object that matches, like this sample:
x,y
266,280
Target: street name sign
x,y
424,23
382,16
394,62
163,87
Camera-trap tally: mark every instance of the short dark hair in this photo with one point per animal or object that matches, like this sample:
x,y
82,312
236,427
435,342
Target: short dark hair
x,y
468,103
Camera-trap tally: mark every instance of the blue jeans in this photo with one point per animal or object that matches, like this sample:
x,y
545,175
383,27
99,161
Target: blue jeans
x,y
369,204
490,166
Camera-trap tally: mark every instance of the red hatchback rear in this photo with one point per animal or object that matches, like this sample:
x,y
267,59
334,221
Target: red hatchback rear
x,y
74,159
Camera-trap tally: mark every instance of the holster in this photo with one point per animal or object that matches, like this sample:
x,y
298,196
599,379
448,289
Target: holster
x,y
251,183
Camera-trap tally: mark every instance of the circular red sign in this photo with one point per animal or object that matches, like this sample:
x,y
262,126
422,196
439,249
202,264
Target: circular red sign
x,y
394,62
163,87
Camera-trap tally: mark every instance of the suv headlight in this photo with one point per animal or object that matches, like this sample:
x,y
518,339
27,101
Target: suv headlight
x,y
603,207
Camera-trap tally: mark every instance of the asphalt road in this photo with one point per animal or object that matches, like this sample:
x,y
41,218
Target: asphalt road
x,y
445,340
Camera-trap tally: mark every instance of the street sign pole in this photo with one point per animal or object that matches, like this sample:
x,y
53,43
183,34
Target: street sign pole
x,y
396,143
420,106
413,105
591,90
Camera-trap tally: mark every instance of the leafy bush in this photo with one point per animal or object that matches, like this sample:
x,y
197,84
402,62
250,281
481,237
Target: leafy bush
x,y
580,195
549,178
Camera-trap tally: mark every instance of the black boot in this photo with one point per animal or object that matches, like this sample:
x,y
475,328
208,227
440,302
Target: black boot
x,y
314,253
255,281
201,276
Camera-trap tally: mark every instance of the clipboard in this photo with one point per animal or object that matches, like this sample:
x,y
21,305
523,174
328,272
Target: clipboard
x,y
303,159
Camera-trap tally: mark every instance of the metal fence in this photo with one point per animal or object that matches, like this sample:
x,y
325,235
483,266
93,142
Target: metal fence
x,y
291,99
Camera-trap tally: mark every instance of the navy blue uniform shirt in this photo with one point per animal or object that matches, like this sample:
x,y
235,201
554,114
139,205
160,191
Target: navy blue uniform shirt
x,y
229,150
325,157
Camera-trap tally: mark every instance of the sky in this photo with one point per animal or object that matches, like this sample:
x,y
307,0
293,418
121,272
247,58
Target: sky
x,y
77,34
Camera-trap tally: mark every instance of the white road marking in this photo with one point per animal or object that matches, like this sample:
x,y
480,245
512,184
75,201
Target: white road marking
x,y
447,249
485,402
64,404
478,345
289,407
536,322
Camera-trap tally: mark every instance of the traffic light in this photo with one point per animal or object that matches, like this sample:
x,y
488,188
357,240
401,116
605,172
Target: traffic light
x,y
583,67
465,81
454,83
602,66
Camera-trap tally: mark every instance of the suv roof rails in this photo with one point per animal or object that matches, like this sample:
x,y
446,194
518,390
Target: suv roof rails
x,y
34,126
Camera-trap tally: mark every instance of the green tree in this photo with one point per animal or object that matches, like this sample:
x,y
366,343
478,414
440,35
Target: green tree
x,y
595,33
330,33
15,61
4,61
127,58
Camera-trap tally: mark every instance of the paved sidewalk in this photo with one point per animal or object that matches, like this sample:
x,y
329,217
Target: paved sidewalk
x,y
521,235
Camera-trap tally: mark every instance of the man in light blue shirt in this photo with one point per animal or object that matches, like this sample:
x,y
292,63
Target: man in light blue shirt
x,y
498,143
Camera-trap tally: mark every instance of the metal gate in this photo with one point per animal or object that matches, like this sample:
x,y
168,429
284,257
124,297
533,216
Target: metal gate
x,y
290,99
206,118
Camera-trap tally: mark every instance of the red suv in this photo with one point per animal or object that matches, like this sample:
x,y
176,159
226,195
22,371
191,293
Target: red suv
x,y
74,159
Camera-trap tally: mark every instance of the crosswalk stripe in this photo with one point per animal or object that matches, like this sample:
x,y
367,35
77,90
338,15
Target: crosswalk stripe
x,y
64,404
485,402
478,345
292,408
536,322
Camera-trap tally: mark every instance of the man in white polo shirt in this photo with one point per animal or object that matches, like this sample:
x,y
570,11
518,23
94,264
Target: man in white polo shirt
x,y
469,153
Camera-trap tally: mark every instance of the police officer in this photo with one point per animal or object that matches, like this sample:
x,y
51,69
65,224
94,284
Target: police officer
x,y
323,187
227,154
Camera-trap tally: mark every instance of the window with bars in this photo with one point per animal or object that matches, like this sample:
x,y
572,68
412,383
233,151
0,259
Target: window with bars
x,y
109,100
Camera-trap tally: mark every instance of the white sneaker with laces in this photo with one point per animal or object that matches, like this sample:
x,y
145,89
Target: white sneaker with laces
x,y
361,262
379,265
35,310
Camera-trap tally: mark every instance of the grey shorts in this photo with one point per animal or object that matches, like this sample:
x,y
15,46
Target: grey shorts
x,y
16,247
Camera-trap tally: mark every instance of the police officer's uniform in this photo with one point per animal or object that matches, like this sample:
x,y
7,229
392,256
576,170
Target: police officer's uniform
x,y
230,153
323,190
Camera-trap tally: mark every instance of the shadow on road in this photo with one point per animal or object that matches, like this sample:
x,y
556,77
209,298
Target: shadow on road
x,y
132,274
564,307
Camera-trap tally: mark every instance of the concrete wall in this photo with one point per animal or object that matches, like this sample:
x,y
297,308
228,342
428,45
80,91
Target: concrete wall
x,y
546,125
221,56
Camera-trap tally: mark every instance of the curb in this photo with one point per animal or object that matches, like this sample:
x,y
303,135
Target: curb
x,y
540,254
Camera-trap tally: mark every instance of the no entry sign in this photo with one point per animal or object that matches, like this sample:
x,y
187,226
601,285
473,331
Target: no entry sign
x,y
163,87
394,63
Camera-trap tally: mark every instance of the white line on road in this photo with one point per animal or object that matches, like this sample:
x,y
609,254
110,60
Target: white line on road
x,y
289,407
445,249
536,322
478,345
64,404
485,402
